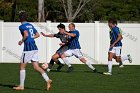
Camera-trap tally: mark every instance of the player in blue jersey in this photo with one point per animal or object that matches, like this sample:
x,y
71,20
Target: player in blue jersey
x,y
30,52
115,46
74,49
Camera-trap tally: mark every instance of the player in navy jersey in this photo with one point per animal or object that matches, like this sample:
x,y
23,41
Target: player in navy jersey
x,y
115,46
30,51
63,46
74,49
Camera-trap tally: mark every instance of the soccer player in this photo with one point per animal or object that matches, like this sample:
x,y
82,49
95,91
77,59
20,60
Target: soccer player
x,y
30,52
74,49
63,46
115,46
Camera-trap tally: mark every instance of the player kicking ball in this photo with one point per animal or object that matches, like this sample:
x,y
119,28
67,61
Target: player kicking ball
x,y
30,52
115,46
63,46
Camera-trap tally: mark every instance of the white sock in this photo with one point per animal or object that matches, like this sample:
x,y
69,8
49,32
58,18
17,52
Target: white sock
x,y
22,77
48,70
124,58
110,66
45,76
67,62
89,65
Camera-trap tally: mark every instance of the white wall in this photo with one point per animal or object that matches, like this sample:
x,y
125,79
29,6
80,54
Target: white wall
x,y
1,30
94,40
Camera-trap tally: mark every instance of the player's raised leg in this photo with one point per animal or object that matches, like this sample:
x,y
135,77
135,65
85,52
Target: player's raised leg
x,y
127,57
44,75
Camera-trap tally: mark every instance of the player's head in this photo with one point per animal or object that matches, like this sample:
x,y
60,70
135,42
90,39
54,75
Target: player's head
x,y
22,16
112,22
71,26
61,28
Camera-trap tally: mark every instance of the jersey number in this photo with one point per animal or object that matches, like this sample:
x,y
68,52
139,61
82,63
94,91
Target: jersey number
x,y
31,33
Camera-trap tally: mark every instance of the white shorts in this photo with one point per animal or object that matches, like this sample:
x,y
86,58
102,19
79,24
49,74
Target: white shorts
x,y
116,50
29,56
76,52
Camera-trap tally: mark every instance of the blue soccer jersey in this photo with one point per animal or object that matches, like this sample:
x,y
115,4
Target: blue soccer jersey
x,y
29,43
74,43
114,35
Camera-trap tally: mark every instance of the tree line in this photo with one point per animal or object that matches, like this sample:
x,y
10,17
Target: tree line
x,y
72,10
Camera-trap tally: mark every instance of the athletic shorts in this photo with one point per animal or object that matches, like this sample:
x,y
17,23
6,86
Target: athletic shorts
x,y
116,50
29,56
62,49
76,52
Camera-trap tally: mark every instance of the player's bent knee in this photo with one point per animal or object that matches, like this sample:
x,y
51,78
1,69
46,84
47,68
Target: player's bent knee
x,y
83,60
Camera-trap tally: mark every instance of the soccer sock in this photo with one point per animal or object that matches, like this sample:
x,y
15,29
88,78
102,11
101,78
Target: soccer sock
x,y
67,62
51,63
110,66
45,76
124,58
58,62
22,77
89,65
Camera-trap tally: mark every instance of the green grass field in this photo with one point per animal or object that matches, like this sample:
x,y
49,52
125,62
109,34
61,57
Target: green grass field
x,y
81,80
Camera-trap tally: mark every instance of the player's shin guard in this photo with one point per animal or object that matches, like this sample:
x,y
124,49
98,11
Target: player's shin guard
x,y
51,63
22,77
90,65
67,61
110,66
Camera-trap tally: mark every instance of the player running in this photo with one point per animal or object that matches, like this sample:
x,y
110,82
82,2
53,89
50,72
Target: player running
x,y
64,46
30,52
115,46
74,49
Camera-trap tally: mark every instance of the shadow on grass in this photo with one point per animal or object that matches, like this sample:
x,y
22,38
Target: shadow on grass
x,y
11,86
98,72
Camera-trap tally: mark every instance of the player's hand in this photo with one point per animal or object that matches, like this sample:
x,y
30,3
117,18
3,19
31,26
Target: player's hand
x,y
20,42
43,34
112,45
61,44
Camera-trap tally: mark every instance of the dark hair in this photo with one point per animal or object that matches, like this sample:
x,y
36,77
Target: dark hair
x,y
22,16
61,26
113,21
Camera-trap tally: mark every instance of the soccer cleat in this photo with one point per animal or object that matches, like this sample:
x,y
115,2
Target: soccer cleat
x,y
59,67
107,73
94,71
129,58
121,66
18,88
49,85
70,69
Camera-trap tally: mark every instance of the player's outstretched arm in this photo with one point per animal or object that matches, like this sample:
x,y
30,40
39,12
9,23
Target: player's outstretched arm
x,y
49,35
36,35
70,34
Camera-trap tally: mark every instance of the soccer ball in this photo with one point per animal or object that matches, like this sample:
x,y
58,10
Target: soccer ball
x,y
45,66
